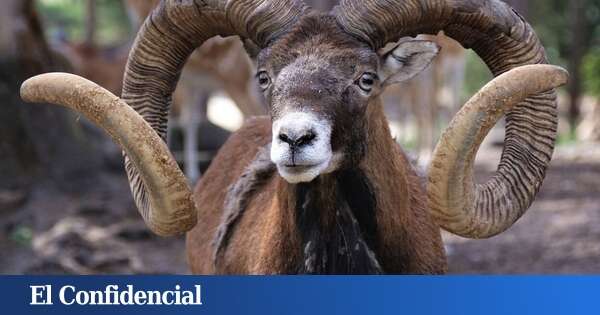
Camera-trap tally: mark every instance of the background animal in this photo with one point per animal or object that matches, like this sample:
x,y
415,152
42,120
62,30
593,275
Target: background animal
x,y
207,72
220,64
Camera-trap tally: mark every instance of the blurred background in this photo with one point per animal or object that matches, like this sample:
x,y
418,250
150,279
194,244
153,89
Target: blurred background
x,y
65,205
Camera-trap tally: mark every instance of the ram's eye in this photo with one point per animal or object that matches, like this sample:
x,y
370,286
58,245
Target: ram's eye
x,y
367,81
264,81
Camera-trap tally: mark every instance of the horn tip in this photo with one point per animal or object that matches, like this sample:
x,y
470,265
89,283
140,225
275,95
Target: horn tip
x,y
28,88
556,75
31,88
181,227
562,76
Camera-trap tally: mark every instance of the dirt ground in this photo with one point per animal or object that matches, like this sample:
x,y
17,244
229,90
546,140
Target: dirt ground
x,y
91,232
99,230
559,234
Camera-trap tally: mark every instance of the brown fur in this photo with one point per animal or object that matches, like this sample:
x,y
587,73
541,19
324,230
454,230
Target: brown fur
x,y
267,238
266,241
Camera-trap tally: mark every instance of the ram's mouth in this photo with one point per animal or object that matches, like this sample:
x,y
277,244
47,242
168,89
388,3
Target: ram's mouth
x,y
296,173
295,168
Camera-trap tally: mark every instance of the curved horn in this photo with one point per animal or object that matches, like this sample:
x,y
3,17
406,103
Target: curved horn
x,y
504,40
168,193
171,33
457,201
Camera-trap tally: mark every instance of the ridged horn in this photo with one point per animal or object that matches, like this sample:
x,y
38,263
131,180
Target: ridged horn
x,y
457,200
168,37
504,40
167,194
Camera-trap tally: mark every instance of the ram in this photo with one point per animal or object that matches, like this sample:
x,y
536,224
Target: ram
x,y
321,186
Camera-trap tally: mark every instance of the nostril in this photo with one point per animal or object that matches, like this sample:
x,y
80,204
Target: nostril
x,y
294,142
283,137
306,139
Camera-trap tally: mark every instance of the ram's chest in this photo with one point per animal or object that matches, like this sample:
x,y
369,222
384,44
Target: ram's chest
x,y
327,226
337,226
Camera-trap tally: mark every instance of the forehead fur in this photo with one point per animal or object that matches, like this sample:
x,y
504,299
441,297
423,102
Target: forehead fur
x,y
318,35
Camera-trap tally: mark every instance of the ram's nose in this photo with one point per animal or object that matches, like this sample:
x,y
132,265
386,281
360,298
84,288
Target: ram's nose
x,y
297,138
300,130
301,146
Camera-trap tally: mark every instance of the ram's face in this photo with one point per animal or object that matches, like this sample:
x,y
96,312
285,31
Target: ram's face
x,y
319,82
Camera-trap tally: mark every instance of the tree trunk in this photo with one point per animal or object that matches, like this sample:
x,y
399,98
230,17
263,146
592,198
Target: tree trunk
x,y
35,140
577,26
90,23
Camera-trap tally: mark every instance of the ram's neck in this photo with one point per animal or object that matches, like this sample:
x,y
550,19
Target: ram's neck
x,y
335,223
386,165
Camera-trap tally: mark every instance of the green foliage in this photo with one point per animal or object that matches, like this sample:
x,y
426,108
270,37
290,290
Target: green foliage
x,y
408,144
591,72
22,235
551,22
550,19
477,75
567,138
67,18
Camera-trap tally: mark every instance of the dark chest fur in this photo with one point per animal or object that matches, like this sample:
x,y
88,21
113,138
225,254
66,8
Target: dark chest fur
x,y
337,224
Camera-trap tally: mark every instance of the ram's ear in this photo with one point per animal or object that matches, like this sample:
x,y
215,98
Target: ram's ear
x,y
407,59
